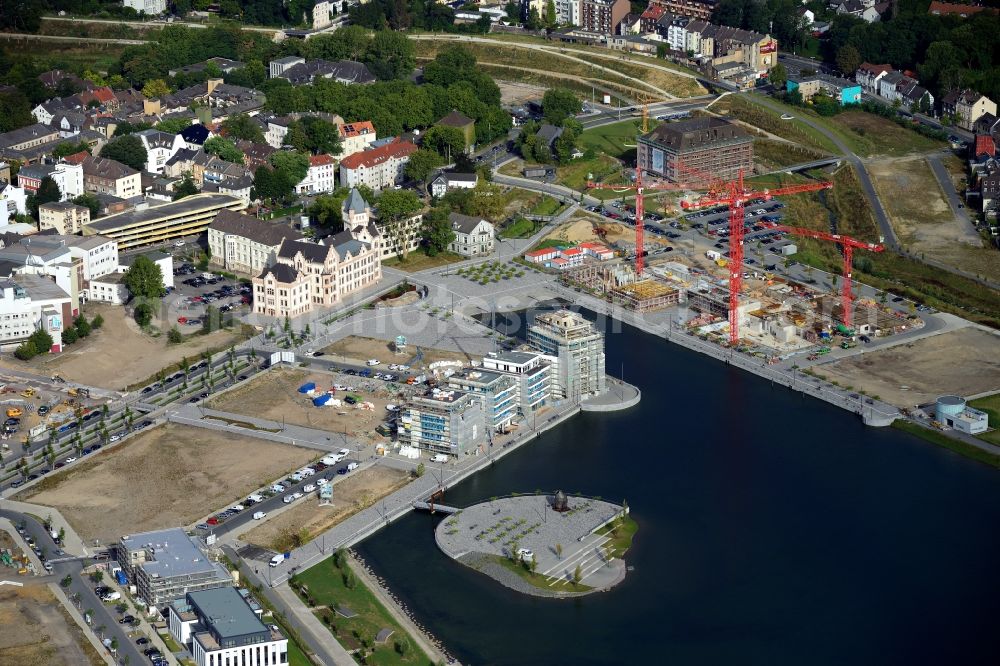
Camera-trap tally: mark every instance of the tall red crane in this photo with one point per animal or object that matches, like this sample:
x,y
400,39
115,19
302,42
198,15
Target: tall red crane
x,y
735,194
640,209
849,244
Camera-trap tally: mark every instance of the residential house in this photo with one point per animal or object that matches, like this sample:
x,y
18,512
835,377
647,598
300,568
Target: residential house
x,y
474,236
896,87
51,78
548,134
255,154
465,124
567,12
276,127
63,217
195,136
865,10
629,25
105,176
160,147
450,180
355,137
29,302
28,144
396,238
341,71
165,565
377,168
967,106
844,91
243,244
868,76
13,201
955,9
322,14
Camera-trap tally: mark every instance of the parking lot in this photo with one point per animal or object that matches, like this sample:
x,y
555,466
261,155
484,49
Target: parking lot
x,y
195,290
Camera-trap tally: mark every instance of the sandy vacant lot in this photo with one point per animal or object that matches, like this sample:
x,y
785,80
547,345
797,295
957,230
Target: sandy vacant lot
x,y
581,230
119,354
171,475
354,493
964,362
359,349
37,630
274,395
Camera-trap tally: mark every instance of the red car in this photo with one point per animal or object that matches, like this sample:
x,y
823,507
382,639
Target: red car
x,y
212,521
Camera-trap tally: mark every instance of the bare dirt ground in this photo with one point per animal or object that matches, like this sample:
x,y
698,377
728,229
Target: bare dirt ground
x,y
513,93
38,631
964,362
274,395
924,220
308,518
581,229
119,354
358,349
168,476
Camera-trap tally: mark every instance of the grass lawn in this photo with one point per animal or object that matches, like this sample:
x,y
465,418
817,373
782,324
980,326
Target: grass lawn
x,y
534,579
955,445
743,108
420,260
169,641
773,154
522,227
576,174
546,206
617,139
325,584
621,531
870,134
991,405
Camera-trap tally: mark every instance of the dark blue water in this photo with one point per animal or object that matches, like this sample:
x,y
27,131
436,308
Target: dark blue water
x,y
774,529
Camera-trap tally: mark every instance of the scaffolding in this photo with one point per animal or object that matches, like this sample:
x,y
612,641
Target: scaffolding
x,y
645,296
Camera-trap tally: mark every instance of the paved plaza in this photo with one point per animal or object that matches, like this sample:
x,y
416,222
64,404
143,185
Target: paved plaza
x,y
559,541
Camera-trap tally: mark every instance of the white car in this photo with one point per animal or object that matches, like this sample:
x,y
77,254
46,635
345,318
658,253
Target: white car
x,y
114,438
237,508
323,481
391,408
394,366
178,243
288,499
277,488
260,515
339,387
373,361
343,453
308,488
69,460
352,466
297,495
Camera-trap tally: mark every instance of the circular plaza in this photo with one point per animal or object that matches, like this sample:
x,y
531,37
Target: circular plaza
x,y
545,545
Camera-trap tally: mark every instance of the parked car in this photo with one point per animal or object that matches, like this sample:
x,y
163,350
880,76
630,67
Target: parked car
x,y
260,515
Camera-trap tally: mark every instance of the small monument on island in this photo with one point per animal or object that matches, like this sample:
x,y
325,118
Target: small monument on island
x,y
560,503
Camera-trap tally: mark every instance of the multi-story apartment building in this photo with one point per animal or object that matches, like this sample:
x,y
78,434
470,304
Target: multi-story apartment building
x,y
65,218
497,393
396,238
697,9
567,11
577,351
602,16
443,421
165,565
220,627
244,244
686,149
530,371
967,106
321,176
355,137
69,178
160,147
105,176
377,168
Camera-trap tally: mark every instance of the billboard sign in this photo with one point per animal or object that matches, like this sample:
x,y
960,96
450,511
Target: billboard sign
x,y
657,160
55,323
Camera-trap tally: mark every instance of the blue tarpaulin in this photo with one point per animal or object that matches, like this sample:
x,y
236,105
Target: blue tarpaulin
x,y
305,388
321,400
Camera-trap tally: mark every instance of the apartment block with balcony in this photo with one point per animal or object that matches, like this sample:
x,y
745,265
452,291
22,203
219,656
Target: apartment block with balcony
x,y
443,421
498,393
530,371
165,565
577,351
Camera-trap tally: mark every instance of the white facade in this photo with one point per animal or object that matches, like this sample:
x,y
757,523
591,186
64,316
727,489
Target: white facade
x,y
99,255
107,289
65,218
377,168
321,176
321,15
31,302
160,147
12,202
355,137
275,134
278,67
567,11
150,7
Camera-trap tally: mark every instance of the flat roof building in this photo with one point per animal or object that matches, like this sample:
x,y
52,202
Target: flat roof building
x,y
220,626
497,390
188,217
165,565
443,421
577,350
530,371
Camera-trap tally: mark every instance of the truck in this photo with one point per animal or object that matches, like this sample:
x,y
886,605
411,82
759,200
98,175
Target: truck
x,y
845,331
847,344
713,255
440,458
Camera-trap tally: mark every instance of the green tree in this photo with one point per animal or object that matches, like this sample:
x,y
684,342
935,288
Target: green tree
x,y
559,104
185,188
437,232
446,141
848,60
173,125
144,279
242,126
550,14
70,148
48,191
126,149
325,210
778,76
422,165
224,148
174,335
155,88
143,314
390,55
90,201
290,165
15,111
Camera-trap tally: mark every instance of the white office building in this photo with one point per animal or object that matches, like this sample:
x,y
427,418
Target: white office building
x,y
148,7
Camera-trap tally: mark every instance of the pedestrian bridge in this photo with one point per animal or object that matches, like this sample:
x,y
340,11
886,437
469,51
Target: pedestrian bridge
x,y
433,507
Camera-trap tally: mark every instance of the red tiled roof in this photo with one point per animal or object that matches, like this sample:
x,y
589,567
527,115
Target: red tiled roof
x,y
370,158
875,69
654,12
572,252
320,160
985,145
357,129
541,253
77,158
956,9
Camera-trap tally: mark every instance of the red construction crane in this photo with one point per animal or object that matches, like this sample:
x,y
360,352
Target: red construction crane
x,y
640,209
849,244
735,195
